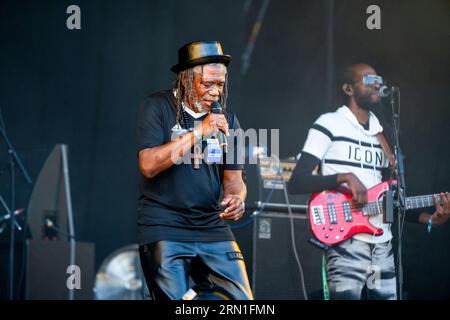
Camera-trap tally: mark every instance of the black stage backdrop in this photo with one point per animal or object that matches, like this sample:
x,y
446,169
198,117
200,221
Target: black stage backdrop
x,y
83,88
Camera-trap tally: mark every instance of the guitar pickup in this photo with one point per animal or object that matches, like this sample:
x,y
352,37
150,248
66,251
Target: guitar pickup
x,y
317,215
332,213
347,211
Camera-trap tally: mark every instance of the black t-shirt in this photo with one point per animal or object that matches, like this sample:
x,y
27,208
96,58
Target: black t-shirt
x,y
181,203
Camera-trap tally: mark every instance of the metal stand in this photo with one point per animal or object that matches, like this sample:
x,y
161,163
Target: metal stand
x,y
401,191
13,161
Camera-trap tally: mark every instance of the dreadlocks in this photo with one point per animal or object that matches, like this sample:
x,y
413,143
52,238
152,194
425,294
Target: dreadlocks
x,y
184,88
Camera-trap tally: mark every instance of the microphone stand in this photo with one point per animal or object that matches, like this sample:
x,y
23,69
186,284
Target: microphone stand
x,y
8,214
13,160
401,191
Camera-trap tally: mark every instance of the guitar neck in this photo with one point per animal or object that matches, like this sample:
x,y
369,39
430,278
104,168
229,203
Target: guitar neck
x,y
422,201
416,202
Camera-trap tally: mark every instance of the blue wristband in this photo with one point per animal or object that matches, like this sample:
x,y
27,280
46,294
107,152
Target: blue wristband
x,y
430,224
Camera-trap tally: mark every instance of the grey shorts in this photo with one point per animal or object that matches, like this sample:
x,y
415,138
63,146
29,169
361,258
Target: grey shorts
x,y
355,265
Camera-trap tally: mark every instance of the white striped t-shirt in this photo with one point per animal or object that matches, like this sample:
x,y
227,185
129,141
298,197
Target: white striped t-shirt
x,y
343,145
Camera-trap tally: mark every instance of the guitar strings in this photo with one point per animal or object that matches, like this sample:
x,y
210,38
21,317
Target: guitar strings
x,y
372,208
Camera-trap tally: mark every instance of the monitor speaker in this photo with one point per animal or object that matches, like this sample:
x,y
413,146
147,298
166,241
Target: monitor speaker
x,y
275,271
49,274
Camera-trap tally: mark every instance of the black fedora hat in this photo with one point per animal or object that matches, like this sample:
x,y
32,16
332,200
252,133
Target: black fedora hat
x,y
200,52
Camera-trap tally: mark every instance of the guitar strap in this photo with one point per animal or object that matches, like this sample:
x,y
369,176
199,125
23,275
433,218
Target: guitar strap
x,y
386,148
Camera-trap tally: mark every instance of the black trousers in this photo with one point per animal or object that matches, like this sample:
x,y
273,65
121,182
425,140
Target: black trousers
x,y
167,266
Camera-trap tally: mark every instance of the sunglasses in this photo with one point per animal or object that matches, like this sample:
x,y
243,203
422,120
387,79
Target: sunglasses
x,y
370,79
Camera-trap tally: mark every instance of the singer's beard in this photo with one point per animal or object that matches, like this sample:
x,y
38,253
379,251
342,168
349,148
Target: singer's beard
x,y
367,102
199,107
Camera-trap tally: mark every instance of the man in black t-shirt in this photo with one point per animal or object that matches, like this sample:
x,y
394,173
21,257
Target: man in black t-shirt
x,y
182,227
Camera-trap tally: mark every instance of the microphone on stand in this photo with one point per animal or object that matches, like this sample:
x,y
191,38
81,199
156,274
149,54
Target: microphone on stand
x,y
217,109
8,216
386,91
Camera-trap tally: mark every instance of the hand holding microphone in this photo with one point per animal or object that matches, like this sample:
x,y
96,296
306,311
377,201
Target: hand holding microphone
x,y
216,108
215,123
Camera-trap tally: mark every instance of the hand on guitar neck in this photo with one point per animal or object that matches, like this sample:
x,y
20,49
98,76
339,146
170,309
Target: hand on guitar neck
x,y
442,213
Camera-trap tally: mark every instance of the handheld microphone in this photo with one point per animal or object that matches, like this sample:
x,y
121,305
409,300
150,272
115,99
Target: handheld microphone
x,y
217,109
385,91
